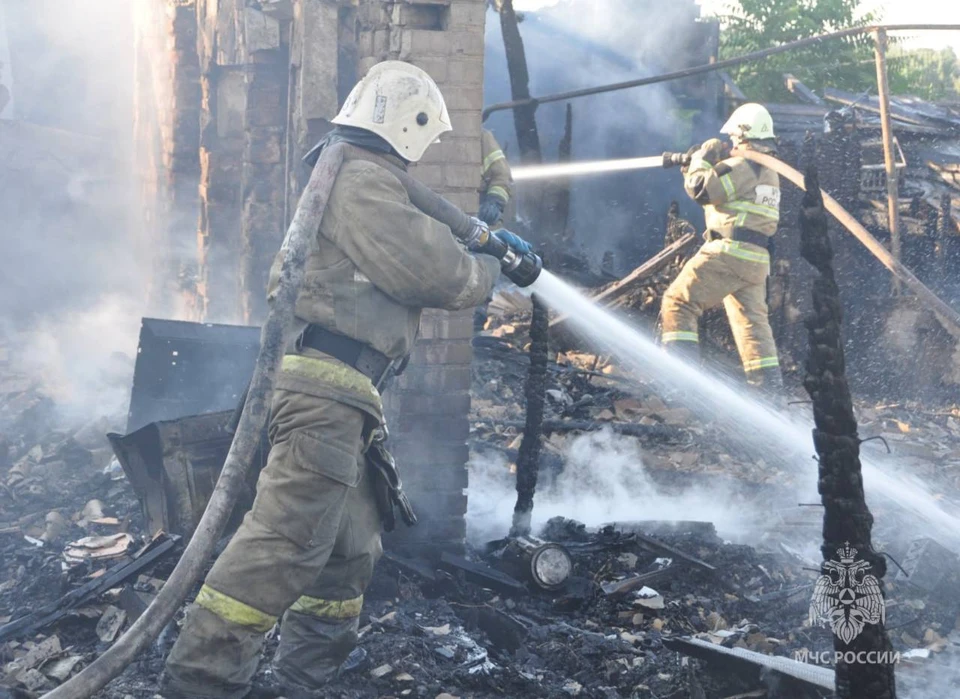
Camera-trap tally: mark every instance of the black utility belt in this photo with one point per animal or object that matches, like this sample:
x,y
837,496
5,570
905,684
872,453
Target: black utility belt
x,y
744,235
371,363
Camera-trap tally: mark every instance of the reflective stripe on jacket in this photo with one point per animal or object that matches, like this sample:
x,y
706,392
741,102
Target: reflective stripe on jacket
x,y
735,193
496,179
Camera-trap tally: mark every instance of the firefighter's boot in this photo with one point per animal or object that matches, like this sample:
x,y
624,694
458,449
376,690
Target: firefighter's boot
x,y
768,385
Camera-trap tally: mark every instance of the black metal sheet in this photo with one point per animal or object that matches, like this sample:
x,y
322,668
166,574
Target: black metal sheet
x,y
188,368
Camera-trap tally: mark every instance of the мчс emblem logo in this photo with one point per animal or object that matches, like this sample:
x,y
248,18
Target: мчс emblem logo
x,y
847,597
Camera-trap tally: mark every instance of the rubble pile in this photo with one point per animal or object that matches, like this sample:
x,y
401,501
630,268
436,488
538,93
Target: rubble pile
x,y
76,569
67,520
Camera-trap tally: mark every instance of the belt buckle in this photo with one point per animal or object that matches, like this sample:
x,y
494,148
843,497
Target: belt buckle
x,y
386,373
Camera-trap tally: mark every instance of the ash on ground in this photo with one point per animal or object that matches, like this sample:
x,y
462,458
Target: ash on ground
x,y
672,531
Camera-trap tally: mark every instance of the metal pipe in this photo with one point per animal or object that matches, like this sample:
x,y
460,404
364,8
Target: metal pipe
x,y
719,65
297,245
889,158
927,297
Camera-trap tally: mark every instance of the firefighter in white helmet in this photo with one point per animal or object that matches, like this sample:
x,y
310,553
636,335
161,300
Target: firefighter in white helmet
x,y
306,551
741,202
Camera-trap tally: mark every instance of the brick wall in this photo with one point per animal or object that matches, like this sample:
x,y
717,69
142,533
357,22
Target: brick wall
x,y
429,405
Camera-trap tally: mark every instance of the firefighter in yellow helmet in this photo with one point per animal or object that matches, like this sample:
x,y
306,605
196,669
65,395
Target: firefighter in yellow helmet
x,y
306,551
741,202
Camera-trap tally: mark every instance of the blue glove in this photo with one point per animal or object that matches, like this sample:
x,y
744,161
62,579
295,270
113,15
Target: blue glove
x,y
516,243
491,209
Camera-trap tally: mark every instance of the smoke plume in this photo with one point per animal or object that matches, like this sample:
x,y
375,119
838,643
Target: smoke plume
x,y
576,44
71,259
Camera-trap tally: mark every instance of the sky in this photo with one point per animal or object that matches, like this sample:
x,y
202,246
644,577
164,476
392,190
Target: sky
x,y
894,12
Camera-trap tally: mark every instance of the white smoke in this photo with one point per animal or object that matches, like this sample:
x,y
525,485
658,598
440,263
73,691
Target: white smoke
x,y
83,359
603,480
74,261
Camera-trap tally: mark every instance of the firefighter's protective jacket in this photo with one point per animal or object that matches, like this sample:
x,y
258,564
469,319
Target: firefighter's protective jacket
x,y
378,263
734,193
496,179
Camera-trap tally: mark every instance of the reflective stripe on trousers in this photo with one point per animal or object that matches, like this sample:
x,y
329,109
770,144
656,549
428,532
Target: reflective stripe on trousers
x,y
233,610
680,336
328,609
762,363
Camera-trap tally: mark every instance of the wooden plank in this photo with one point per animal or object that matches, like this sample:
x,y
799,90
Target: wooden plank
x,y
801,90
732,88
609,295
889,158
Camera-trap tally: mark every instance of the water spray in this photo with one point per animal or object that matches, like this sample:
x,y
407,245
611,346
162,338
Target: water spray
x,y
767,432
590,167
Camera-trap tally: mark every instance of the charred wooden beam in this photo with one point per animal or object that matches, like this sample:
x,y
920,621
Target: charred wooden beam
x,y
557,195
800,90
481,574
797,680
28,624
847,523
611,294
528,463
524,117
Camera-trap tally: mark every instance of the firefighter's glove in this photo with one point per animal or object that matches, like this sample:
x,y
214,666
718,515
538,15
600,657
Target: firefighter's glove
x,y
514,241
690,153
387,487
709,154
491,209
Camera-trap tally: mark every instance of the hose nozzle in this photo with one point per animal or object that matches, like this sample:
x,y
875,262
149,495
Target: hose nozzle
x,y
522,268
676,160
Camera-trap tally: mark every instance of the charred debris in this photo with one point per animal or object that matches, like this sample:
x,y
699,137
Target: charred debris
x,y
629,607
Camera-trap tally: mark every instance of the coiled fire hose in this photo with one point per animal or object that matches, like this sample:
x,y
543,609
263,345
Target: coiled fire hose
x,y
929,299
522,269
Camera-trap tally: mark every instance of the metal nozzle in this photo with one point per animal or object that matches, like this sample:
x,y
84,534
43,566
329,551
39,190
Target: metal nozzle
x,y
522,268
675,160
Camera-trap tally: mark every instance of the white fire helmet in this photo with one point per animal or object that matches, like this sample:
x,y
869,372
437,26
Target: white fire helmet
x,y
400,103
749,122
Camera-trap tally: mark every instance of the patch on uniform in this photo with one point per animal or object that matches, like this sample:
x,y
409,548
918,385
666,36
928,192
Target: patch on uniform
x,y
380,109
360,277
768,195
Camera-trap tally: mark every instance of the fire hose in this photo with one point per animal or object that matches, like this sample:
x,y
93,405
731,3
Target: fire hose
x,y
933,302
523,269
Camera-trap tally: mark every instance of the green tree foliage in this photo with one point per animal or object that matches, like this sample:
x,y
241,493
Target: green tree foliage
x,y
751,25
926,73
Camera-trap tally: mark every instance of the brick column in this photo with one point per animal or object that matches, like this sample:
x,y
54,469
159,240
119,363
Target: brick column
x,y
429,405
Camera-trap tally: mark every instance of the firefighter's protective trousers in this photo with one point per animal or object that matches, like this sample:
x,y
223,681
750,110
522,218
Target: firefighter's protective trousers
x,y
306,551
732,273
740,199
